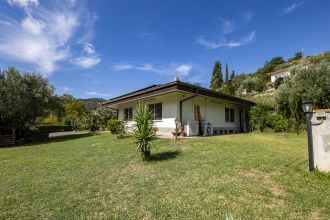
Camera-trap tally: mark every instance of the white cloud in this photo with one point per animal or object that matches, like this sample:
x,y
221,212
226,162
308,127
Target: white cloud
x,y
44,35
248,15
183,69
176,69
98,94
123,66
89,48
66,89
87,61
292,7
208,44
23,3
228,26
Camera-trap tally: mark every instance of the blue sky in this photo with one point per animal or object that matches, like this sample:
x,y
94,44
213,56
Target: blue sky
x,y
106,48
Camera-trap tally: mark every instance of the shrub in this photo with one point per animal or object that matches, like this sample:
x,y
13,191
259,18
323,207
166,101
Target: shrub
x,y
91,122
144,132
54,128
259,117
278,82
278,123
116,126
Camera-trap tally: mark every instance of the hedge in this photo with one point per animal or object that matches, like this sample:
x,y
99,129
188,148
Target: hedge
x,y
55,128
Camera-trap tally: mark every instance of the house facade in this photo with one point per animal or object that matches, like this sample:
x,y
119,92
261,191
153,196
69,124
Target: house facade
x,y
279,74
194,109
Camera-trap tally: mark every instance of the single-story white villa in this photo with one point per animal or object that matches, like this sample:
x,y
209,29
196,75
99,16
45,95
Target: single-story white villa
x,y
196,110
279,74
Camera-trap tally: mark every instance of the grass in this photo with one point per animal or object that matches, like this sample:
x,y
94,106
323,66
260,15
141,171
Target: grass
x,y
254,176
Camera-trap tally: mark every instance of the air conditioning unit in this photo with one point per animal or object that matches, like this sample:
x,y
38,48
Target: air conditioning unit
x,y
207,130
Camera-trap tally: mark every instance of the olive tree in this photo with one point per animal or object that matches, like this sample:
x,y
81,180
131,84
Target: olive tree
x,y
311,82
24,97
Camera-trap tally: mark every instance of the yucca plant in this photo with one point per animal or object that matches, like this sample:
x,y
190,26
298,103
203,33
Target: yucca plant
x,y
144,132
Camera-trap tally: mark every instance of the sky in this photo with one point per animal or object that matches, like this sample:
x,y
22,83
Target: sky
x,y
107,48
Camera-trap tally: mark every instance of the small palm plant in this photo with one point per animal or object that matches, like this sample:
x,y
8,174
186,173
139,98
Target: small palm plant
x,y
144,132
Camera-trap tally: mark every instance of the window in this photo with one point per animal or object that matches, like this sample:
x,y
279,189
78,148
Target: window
x,y
128,114
229,115
156,109
232,115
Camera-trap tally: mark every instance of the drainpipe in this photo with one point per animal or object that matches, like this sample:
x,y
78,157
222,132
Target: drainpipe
x,y
183,100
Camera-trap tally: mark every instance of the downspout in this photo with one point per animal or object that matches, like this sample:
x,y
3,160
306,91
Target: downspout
x,y
183,100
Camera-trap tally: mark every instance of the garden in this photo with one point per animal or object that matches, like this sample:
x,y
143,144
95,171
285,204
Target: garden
x,y
253,176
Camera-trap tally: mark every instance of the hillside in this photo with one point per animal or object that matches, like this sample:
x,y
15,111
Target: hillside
x,y
92,103
257,86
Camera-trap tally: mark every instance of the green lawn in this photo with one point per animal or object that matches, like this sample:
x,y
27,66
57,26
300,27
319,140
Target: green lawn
x,y
255,176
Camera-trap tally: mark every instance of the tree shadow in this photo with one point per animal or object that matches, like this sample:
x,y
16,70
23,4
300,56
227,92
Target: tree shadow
x,y
164,156
52,139
71,137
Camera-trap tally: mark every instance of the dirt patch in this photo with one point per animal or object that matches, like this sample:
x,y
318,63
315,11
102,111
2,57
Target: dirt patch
x,y
315,215
277,190
276,203
250,173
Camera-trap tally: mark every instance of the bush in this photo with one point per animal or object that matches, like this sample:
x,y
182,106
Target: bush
x,y
259,117
91,122
278,82
54,128
278,123
116,126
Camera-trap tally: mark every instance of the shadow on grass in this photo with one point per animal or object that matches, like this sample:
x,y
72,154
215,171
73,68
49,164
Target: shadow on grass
x,y
71,137
163,156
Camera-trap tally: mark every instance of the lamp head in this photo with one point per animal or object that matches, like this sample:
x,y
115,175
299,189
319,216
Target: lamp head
x,y
307,105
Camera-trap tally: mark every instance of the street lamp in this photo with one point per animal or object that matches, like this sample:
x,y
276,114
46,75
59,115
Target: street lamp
x,y
307,105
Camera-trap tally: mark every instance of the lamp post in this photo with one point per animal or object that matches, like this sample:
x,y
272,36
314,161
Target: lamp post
x,y
308,109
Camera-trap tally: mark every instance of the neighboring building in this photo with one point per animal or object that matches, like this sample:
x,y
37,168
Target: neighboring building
x,y
279,74
198,110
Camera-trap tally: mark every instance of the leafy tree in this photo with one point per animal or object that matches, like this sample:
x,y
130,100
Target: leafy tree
x,y
261,85
297,56
278,82
144,132
228,89
24,98
227,74
75,110
312,82
269,67
91,121
105,114
249,84
216,80
259,117
238,80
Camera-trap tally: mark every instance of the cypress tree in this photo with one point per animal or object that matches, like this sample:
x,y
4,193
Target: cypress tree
x,y
232,76
227,74
216,80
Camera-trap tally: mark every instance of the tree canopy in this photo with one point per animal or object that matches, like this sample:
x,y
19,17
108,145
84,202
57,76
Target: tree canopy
x,y
23,97
217,78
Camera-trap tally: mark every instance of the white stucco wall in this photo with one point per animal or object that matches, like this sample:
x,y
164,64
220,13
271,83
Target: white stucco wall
x,y
321,142
169,112
280,74
212,110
